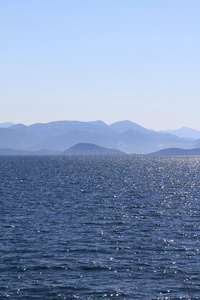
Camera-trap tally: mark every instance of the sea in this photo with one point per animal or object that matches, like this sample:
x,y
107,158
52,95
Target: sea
x,y
100,227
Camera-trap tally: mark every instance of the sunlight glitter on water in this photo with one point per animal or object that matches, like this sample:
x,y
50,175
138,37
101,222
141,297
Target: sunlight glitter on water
x,y
89,228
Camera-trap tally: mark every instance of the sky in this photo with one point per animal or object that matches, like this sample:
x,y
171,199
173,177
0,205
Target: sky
x,y
103,60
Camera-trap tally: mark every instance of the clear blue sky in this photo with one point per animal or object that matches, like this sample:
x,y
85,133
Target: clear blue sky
x,y
101,59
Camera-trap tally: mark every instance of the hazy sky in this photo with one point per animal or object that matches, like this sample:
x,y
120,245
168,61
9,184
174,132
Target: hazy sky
x,y
101,59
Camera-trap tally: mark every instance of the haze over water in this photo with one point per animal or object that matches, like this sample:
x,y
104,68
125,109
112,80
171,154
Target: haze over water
x,y
102,228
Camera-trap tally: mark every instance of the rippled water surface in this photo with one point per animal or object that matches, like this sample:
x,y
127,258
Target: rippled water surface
x,y
101,228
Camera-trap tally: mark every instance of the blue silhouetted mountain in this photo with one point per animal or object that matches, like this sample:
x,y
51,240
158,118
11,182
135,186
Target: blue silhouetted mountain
x,y
126,136
196,143
63,142
123,126
59,128
6,125
87,149
184,132
177,151
15,139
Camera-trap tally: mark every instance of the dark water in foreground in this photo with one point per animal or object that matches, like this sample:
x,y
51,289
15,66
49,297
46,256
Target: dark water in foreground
x,y
76,228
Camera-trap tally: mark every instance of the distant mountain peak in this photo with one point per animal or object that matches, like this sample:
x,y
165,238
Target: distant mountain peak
x,y
184,132
177,151
98,122
6,124
122,126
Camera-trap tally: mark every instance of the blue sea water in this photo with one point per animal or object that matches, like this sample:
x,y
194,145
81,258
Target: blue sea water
x,y
100,228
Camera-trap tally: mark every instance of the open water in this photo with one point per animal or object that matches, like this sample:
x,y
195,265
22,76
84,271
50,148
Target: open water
x,y
100,228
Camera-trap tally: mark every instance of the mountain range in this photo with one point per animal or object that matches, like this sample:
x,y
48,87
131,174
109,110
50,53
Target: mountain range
x,y
125,136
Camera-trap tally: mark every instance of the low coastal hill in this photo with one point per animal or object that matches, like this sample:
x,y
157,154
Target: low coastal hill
x,y
177,151
88,149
